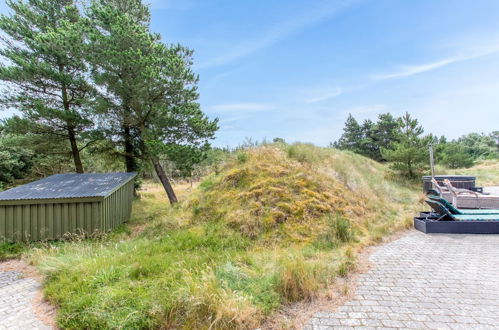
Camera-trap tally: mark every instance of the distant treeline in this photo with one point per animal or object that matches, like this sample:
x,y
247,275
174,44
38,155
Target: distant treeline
x,y
401,141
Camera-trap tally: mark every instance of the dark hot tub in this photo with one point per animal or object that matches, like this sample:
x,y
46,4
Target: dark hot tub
x,y
458,181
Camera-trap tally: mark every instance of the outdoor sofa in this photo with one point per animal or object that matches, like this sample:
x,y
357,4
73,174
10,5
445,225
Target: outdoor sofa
x,y
463,198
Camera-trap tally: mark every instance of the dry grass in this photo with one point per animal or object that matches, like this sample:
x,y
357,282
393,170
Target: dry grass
x,y
486,171
275,198
275,225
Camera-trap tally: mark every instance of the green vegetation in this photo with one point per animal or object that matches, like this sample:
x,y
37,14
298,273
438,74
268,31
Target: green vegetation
x,y
401,142
15,161
45,75
454,155
409,153
151,91
369,138
274,226
11,250
91,81
267,226
486,171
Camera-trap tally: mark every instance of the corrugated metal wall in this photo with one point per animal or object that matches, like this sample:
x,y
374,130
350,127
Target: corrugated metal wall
x,y
50,221
116,208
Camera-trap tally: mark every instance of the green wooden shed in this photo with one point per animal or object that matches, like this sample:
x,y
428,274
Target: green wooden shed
x,y
65,203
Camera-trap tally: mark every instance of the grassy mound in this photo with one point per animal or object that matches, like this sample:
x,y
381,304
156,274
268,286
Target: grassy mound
x,y
275,225
266,195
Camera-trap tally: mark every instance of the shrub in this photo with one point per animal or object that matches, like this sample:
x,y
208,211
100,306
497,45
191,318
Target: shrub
x,y
454,155
11,250
242,157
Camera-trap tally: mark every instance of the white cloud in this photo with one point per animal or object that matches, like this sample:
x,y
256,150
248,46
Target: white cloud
x,y
281,31
412,70
241,107
407,71
323,94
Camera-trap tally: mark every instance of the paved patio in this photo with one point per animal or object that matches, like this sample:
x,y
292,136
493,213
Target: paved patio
x,y
425,282
493,190
16,302
418,281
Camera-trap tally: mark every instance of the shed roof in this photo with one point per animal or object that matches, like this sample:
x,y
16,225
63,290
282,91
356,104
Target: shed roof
x,y
69,186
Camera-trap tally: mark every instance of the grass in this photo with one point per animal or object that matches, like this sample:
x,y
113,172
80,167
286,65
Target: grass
x,y
275,225
11,250
486,171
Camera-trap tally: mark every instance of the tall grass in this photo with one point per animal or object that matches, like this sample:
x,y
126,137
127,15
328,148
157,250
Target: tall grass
x,y
486,171
274,225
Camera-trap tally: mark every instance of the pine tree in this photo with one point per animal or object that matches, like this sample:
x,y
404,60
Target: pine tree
x,y
351,137
409,154
455,155
119,51
150,92
385,133
44,72
368,144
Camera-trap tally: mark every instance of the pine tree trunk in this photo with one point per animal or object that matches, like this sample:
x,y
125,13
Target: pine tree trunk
x,y
75,151
409,165
164,180
130,163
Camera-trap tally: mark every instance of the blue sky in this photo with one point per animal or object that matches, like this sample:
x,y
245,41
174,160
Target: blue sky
x,y
295,69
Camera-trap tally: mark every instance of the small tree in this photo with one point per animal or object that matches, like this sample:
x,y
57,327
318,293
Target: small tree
x,y
409,155
455,155
44,72
49,156
351,137
385,132
368,145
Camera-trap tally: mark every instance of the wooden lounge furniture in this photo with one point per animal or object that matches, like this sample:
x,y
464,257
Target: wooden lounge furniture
x,y
463,198
444,192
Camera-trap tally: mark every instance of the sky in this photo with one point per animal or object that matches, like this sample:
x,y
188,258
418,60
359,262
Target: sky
x,y
295,69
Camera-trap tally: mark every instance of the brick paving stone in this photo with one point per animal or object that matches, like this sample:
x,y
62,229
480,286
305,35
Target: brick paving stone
x,y
424,282
16,296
